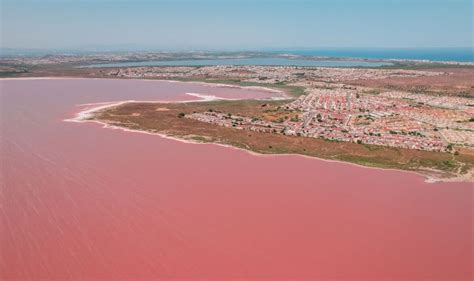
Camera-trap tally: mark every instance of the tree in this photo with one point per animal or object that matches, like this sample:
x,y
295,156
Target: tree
x,y
181,115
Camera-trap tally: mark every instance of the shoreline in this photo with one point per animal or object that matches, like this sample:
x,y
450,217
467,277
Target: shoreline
x,y
83,117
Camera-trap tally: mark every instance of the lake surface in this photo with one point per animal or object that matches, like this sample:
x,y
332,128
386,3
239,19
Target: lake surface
x,y
251,61
81,202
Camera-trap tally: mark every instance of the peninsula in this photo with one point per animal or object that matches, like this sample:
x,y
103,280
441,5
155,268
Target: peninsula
x,y
379,117
408,115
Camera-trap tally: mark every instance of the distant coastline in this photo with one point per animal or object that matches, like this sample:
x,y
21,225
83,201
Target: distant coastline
x,y
461,54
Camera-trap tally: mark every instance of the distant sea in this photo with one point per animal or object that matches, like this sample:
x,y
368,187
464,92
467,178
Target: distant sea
x,y
431,54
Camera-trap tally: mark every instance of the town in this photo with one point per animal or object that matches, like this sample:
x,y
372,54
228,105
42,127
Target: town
x,y
388,119
333,108
268,74
336,104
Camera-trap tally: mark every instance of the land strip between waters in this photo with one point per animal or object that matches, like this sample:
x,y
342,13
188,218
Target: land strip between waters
x,y
166,119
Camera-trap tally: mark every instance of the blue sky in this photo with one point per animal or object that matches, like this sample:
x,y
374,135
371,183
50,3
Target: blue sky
x,y
236,24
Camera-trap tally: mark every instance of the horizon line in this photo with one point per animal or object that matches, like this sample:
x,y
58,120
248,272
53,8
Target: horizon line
x,y
124,47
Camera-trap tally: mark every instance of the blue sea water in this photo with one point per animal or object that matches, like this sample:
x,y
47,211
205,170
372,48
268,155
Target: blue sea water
x,y
431,54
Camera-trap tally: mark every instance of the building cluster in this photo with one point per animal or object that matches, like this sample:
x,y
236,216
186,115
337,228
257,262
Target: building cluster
x,y
346,115
333,110
349,115
465,138
149,72
272,74
86,58
449,102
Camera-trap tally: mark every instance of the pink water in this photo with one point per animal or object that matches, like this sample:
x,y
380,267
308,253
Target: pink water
x,y
81,202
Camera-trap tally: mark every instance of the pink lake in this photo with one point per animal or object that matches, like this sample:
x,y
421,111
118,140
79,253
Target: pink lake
x,y
81,202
